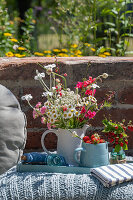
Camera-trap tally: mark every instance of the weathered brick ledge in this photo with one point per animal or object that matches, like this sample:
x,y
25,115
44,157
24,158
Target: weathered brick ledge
x,y
17,74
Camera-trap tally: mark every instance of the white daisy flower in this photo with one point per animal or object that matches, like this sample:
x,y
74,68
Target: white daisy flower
x,y
51,120
65,115
93,99
72,110
45,94
95,85
39,76
55,116
27,97
77,113
70,115
50,66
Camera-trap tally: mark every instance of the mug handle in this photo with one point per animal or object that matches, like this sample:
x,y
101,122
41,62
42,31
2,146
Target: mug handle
x,y
75,154
42,140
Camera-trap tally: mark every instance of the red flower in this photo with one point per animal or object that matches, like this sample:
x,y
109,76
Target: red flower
x,y
79,85
90,92
90,114
83,110
65,74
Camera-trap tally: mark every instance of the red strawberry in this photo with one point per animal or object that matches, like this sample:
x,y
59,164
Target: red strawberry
x,y
126,142
117,138
102,141
121,144
124,128
111,140
88,141
130,127
93,136
85,138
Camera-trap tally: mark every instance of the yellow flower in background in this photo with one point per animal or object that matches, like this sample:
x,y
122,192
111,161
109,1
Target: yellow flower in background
x,y
19,55
74,45
87,44
9,54
48,51
33,21
11,22
56,50
102,55
38,54
7,34
107,53
64,50
21,48
62,55
78,52
93,49
14,40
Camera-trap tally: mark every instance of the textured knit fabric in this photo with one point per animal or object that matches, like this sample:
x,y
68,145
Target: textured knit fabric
x,y
53,186
113,174
12,130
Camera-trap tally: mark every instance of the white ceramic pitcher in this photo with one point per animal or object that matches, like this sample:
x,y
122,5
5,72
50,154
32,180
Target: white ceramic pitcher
x,y
66,144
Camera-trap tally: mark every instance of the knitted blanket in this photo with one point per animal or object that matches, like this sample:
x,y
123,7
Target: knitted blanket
x,y
53,186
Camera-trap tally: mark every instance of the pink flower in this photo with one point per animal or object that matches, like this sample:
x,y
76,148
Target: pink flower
x,y
91,80
90,114
65,74
79,85
43,110
39,104
85,84
43,120
90,92
35,114
83,110
49,125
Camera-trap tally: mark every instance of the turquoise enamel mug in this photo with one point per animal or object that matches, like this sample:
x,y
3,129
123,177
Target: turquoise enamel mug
x,y
92,155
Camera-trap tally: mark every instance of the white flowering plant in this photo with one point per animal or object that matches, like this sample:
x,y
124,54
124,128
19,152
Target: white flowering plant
x,y
65,108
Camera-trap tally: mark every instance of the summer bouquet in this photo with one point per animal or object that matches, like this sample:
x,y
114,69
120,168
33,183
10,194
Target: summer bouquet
x,y
65,108
116,133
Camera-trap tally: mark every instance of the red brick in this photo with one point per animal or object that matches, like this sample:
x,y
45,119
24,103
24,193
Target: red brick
x,y
125,96
115,114
34,140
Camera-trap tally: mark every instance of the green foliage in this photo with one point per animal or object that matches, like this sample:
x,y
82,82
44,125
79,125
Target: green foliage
x,y
102,23
116,135
28,29
9,32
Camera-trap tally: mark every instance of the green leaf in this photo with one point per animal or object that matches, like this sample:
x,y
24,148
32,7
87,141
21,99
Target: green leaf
x,y
117,148
111,24
125,147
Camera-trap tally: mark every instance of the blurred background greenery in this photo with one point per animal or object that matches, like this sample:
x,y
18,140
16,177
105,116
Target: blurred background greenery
x,y
66,28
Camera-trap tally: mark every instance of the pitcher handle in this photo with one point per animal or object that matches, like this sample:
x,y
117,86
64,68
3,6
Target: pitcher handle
x,y
42,140
75,154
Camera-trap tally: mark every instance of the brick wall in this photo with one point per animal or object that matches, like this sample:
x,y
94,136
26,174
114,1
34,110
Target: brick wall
x,y
18,76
